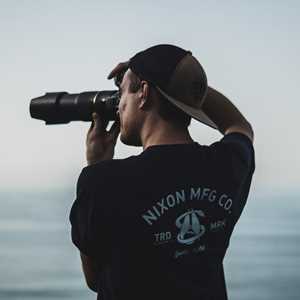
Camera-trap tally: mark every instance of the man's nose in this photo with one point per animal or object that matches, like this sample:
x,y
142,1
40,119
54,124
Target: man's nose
x,y
119,108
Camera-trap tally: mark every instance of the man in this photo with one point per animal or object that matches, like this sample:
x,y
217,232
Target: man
x,y
157,225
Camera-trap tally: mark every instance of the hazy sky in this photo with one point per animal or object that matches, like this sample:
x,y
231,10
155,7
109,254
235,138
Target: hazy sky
x,y
249,49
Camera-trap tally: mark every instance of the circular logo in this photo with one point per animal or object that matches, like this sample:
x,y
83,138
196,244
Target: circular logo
x,y
190,227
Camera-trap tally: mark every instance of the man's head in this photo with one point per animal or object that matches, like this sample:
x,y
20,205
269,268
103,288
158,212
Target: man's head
x,y
140,101
163,83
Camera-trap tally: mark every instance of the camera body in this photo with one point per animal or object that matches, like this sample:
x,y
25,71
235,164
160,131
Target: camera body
x,y
62,107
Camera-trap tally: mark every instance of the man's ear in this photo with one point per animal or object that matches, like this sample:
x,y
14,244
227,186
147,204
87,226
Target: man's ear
x,y
144,94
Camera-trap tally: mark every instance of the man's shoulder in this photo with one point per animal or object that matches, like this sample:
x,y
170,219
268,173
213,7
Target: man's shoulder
x,y
236,148
109,177
112,166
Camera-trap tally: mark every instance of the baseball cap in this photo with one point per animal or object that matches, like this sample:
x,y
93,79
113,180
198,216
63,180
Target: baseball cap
x,y
177,75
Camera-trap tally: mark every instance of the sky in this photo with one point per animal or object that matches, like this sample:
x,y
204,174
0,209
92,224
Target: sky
x,y
249,50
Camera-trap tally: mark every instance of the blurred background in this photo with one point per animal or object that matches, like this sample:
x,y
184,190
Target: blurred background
x,y
250,51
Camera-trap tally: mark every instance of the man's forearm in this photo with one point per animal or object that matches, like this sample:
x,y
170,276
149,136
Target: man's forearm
x,y
89,269
222,111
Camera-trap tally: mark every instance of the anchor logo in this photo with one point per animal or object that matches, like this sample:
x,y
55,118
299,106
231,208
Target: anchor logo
x,y
190,227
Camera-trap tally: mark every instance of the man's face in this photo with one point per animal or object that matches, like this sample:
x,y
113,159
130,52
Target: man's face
x,y
129,113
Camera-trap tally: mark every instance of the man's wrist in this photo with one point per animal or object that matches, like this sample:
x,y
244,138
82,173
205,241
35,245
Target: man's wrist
x,y
95,161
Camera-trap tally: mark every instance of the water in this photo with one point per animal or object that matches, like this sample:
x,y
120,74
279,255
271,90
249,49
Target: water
x,y
38,260
263,260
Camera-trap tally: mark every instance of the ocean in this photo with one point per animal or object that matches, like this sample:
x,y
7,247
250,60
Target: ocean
x,y
39,261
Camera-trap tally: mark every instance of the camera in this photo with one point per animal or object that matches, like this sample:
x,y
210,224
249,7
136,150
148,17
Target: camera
x,y
62,107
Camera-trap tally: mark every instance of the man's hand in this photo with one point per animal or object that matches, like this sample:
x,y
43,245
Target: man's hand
x,y
121,67
100,143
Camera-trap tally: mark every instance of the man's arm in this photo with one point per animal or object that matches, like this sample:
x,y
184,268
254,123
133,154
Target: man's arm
x,y
89,268
100,145
225,115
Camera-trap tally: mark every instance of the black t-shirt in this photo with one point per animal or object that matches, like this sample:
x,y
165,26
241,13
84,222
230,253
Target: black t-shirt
x,y
159,223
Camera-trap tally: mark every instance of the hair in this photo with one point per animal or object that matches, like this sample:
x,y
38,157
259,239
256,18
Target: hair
x,y
167,110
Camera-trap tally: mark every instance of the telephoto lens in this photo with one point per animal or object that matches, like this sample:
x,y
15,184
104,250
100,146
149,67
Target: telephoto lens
x,y
62,107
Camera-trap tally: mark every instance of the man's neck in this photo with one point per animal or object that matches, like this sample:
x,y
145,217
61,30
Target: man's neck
x,y
161,133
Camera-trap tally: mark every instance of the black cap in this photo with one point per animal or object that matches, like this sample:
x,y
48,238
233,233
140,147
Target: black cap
x,y
177,75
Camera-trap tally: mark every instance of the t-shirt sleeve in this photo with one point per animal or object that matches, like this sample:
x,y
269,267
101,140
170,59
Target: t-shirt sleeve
x,y
242,149
235,152
89,216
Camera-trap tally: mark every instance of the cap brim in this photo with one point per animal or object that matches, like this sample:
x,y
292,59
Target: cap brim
x,y
196,113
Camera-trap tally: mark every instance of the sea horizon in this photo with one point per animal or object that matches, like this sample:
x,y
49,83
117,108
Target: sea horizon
x,y
39,261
